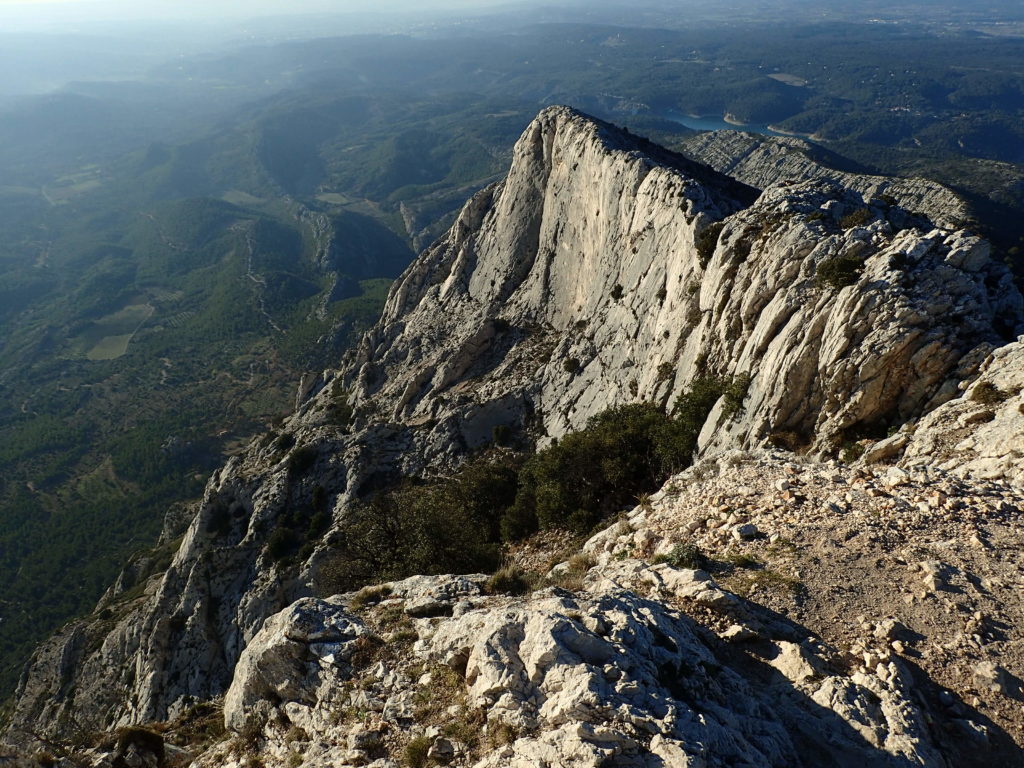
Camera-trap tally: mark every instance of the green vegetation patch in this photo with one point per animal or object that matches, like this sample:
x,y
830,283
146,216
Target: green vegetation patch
x,y
684,556
838,272
988,393
459,523
707,240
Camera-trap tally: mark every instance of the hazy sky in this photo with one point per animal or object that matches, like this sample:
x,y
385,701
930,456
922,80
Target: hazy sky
x,y
18,15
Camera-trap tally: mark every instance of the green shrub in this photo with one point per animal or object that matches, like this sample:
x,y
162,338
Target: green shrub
x,y
743,560
508,581
416,752
218,520
301,459
318,524
988,393
666,371
284,442
581,562
857,218
788,440
901,262
684,556
838,272
501,435
571,364
369,596
851,452
448,526
281,543
616,292
571,577
591,474
707,239
340,411
456,525
734,391
694,405
319,498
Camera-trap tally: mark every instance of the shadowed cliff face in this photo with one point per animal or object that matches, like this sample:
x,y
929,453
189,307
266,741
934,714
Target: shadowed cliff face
x,y
602,270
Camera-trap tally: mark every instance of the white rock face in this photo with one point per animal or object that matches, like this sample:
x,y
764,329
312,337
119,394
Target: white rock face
x,y
573,680
282,661
574,285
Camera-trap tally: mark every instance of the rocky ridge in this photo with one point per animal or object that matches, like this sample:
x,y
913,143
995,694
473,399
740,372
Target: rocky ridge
x,y
764,161
585,279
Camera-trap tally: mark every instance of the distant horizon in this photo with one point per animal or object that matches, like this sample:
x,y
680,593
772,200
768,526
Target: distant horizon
x,y
87,16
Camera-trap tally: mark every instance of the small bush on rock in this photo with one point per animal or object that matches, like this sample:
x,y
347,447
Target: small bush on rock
x,y
706,242
851,452
684,556
501,435
340,411
284,442
302,459
416,752
369,596
988,393
857,218
281,543
508,581
838,272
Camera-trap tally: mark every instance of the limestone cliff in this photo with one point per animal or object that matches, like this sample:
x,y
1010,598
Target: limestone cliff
x,y
602,270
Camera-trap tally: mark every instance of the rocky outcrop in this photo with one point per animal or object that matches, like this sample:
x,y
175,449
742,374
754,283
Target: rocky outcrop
x,y
602,270
154,648
980,433
913,567
559,679
854,617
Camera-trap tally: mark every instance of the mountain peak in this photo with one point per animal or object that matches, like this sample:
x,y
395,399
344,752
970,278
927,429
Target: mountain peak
x,y
625,272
